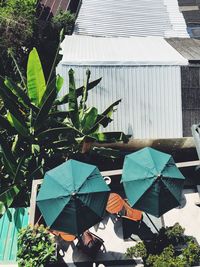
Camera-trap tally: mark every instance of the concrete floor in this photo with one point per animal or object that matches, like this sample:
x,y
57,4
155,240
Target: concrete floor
x,y
188,216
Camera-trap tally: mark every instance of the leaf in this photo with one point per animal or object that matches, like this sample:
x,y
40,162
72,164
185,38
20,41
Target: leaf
x,y
46,107
59,114
105,118
59,144
35,78
18,174
5,125
55,132
11,103
84,95
20,128
79,92
111,137
59,83
73,104
21,94
89,119
8,155
105,152
7,197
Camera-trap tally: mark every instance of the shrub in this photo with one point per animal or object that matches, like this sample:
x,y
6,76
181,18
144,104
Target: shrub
x,y
162,251
35,247
192,253
166,259
138,251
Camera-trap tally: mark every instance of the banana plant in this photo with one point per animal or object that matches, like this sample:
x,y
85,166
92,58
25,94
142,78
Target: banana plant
x,y
35,135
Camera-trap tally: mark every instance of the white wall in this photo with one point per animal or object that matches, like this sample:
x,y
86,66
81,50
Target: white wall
x,y
151,97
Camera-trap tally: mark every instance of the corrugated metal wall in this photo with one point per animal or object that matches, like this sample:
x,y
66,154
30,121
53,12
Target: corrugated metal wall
x,y
151,97
10,223
130,18
190,97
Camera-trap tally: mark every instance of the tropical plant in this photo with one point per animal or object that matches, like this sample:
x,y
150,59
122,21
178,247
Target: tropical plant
x,y
165,253
35,247
35,134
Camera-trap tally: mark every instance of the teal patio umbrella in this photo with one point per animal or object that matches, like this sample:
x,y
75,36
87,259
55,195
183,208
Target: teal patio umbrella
x,y
151,181
73,197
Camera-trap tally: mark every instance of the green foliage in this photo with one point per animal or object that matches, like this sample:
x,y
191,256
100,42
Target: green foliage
x,y
162,251
35,247
21,30
175,234
63,20
192,254
35,135
17,22
166,259
137,251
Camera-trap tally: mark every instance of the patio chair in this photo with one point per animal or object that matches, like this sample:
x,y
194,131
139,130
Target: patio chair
x,y
65,236
89,243
115,203
131,214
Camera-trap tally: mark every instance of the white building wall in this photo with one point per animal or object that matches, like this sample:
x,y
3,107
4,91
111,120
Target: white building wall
x,y
151,97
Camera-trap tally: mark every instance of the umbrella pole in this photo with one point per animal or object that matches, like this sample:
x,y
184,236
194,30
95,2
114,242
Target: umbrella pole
x,y
152,222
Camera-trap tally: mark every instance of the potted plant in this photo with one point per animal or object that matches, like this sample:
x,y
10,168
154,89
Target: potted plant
x,y
36,247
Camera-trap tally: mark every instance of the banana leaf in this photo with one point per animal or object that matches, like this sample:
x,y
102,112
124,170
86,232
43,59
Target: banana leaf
x,y
59,114
18,173
105,152
5,125
79,92
88,120
84,95
20,93
8,156
104,118
57,83
11,103
54,133
7,197
46,106
111,137
73,103
35,78
19,127
59,144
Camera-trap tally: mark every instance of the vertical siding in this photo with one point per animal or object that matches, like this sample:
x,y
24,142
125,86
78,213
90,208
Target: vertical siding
x,y
10,223
151,97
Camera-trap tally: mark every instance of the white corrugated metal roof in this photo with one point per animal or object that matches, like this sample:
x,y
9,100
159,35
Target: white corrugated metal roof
x,y
131,18
84,50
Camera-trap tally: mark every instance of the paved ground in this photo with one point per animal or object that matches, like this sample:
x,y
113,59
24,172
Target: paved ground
x,y
188,216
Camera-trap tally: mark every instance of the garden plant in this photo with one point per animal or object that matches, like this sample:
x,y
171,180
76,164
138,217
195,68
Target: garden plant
x,y
36,135
169,248
36,247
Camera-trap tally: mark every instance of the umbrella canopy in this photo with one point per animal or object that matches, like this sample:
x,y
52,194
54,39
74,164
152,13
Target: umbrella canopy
x,y
73,197
152,182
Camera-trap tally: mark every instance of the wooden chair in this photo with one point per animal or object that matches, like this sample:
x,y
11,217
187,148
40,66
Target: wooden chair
x,y
132,214
115,203
65,236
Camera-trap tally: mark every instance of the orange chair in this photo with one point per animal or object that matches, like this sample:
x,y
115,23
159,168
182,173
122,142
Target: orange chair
x,y
115,203
132,214
63,235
